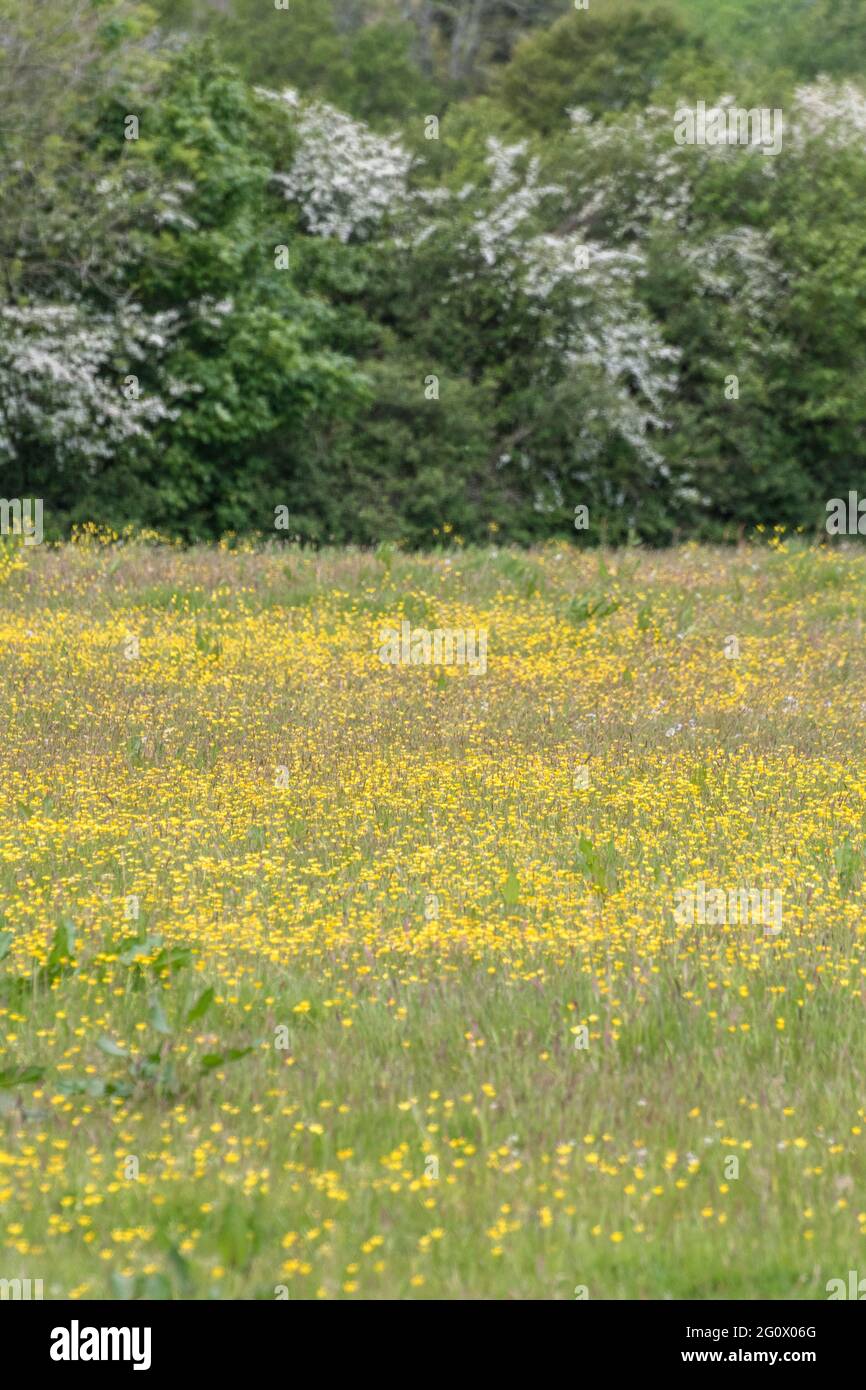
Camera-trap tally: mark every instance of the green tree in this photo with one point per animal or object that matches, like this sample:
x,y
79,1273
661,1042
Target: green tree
x,y
608,58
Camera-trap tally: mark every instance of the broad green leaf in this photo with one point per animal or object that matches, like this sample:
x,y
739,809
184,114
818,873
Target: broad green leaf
x,y
201,1005
21,1076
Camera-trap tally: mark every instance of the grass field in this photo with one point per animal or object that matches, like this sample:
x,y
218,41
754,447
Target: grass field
x,y
327,978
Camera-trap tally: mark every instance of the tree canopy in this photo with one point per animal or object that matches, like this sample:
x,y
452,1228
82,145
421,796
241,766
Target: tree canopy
x,y
429,269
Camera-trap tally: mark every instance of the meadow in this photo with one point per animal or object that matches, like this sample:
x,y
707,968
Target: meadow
x,y
329,978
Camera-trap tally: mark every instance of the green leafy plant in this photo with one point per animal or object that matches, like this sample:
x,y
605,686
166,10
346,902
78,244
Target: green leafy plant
x,y
598,865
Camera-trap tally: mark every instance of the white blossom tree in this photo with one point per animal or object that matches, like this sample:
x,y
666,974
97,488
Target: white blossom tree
x,y
346,180
69,380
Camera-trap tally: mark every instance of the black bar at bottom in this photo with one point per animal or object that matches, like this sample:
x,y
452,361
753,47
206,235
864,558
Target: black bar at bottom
x,y
61,1339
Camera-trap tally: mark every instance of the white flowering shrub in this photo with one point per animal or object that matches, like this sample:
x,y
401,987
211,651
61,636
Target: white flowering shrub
x,y
628,177
61,380
738,265
833,111
514,199
346,180
582,296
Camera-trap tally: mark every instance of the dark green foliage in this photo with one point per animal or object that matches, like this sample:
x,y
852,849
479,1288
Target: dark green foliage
x,y
607,58
383,388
